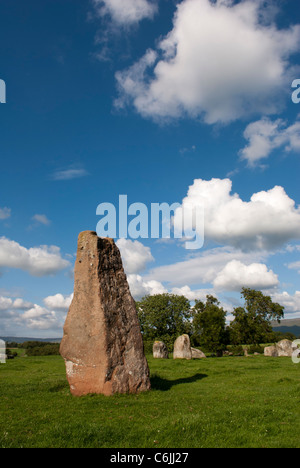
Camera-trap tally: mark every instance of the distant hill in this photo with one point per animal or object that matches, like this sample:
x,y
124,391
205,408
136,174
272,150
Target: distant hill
x,y
288,326
22,339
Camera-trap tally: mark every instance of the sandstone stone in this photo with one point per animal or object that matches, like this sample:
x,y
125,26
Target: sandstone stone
x,y
197,354
271,351
160,350
182,348
102,344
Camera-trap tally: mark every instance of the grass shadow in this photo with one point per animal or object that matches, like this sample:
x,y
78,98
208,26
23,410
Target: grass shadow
x,y
158,383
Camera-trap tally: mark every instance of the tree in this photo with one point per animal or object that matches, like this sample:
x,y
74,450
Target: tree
x,y
164,317
252,323
209,325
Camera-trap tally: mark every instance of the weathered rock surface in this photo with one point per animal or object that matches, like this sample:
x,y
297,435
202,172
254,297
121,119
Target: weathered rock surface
x,y
197,354
182,348
271,351
285,348
282,348
102,344
160,350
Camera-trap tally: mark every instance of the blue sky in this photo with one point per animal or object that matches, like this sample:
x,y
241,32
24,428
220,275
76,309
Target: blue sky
x,y
162,100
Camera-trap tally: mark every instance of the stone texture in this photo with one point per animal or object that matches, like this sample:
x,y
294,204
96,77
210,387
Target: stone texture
x,y
102,344
197,354
285,348
182,348
282,348
270,351
160,350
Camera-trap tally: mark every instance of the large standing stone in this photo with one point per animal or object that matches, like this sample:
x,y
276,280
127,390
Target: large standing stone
x,y
160,350
182,348
102,344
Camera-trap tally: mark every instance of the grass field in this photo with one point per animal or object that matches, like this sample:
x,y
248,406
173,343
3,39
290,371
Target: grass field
x,y
216,402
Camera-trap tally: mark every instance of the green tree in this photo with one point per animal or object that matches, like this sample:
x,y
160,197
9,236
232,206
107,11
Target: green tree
x,y
164,317
209,325
252,323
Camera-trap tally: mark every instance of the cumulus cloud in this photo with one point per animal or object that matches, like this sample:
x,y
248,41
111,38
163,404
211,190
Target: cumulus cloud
x,y
265,135
38,318
193,294
204,268
222,60
135,255
267,221
58,302
235,275
19,314
126,12
291,302
38,261
140,287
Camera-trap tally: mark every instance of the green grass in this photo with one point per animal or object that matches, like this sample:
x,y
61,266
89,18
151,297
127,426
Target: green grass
x,y
216,402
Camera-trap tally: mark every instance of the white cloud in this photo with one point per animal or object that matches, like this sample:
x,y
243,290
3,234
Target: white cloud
x,y
221,61
202,269
20,304
126,12
69,174
5,303
5,213
19,314
41,219
291,302
38,318
236,275
265,135
194,294
294,266
267,221
58,302
140,287
38,261
135,255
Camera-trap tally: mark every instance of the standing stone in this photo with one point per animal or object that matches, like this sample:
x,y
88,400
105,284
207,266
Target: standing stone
x,y
182,348
197,354
282,348
102,344
271,351
160,351
285,348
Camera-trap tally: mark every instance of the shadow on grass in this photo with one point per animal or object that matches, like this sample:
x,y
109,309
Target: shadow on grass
x,y
158,383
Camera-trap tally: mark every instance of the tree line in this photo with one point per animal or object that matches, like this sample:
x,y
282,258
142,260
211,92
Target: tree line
x,y
166,316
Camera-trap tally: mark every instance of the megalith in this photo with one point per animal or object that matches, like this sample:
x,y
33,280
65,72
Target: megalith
x,y
197,354
182,348
160,350
102,343
285,348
